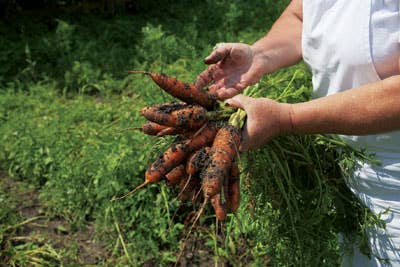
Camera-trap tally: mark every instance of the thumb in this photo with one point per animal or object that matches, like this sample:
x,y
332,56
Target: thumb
x,y
239,101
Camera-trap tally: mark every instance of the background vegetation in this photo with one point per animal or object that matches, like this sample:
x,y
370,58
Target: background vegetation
x,y
64,96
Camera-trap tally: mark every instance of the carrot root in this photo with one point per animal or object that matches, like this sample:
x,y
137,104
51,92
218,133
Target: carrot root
x,y
132,192
200,212
139,72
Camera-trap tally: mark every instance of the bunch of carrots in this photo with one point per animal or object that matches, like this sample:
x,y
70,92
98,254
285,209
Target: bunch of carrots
x,y
201,160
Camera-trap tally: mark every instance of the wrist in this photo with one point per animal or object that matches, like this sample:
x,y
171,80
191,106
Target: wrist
x,y
286,119
265,58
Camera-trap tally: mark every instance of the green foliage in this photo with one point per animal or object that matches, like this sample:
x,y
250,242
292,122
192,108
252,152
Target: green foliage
x,y
180,33
7,210
72,150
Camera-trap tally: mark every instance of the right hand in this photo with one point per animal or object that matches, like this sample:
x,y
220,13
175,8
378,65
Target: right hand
x,y
266,119
234,66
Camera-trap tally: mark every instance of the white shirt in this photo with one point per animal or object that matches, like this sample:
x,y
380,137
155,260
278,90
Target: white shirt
x,y
348,43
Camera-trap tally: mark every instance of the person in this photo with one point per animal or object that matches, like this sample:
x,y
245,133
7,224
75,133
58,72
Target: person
x,y
352,49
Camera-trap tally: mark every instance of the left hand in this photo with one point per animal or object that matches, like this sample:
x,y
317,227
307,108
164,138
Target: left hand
x,y
234,66
266,119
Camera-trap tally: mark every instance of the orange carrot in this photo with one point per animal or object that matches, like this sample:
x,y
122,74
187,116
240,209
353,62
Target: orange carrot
x,y
152,128
219,207
186,92
222,153
175,155
169,131
149,128
178,116
176,175
204,138
171,158
178,152
232,189
196,160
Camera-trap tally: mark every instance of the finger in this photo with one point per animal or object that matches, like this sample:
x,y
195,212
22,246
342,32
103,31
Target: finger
x,y
249,78
214,88
205,77
225,93
244,141
239,101
218,54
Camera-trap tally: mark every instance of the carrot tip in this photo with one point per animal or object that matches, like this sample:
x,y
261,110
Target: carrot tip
x,y
138,72
131,192
131,129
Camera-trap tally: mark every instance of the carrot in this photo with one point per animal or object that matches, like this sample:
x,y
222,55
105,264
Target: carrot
x,y
168,160
176,175
171,158
186,92
178,116
222,153
169,131
204,137
152,128
196,160
168,107
232,189
149,128
175,155
219,207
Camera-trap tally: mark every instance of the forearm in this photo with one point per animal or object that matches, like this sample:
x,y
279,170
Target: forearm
x,y
281,47
369,109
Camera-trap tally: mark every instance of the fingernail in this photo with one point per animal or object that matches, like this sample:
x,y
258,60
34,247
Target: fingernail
x,y
227,102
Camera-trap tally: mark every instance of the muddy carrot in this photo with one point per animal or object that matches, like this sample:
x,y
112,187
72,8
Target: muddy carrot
x,y
168,160
149,128
232,189
178,152
152,128
219,207
176,175
186,92
196,160
169,131
222,153
204,137
180,116
171,158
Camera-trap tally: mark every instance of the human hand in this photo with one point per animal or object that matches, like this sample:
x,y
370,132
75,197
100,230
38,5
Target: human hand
x,y
234,66
266,119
